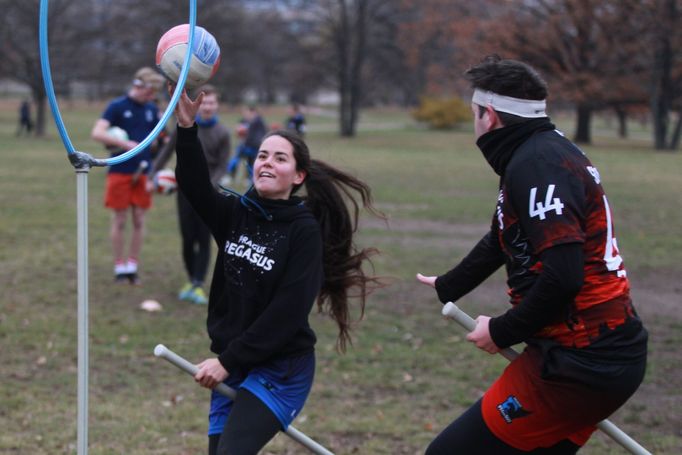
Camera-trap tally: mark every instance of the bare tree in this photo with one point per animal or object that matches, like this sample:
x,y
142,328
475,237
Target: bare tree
x,y
666,39
441,38
347,25
19,51
356,31
588,48
128,33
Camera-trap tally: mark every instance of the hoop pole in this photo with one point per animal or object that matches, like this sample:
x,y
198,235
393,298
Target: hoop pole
x,y
52,100
452,311
83,355
222,388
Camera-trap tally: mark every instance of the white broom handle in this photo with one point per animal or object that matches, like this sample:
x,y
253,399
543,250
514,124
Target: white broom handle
x,y
165,353
452,311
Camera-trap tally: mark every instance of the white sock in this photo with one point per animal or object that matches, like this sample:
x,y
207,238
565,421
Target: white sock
x,y
131,266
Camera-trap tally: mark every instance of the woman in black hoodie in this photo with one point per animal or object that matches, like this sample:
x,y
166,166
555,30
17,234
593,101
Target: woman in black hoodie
x,y
277,254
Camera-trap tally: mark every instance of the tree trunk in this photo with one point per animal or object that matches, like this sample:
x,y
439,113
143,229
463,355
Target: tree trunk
x,y
675,139
346,126
351,49
342,38
622,122
41,110
659,118
358,62
584,117
270,95
663,90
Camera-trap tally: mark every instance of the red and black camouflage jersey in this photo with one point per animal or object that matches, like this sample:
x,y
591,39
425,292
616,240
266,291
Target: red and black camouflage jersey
x,y
550,195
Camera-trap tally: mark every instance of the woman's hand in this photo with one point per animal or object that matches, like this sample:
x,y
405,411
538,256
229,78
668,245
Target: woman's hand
x,y
186,109
480,336
427,280
211,373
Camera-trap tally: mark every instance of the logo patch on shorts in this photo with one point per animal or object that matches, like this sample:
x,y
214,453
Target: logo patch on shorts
x,y
265,383
511,409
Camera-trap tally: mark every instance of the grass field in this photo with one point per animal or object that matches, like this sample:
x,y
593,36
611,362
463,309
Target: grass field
x,y
409,372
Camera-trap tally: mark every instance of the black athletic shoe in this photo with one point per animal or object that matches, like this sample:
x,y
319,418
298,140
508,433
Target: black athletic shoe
x,y
121,278
134,279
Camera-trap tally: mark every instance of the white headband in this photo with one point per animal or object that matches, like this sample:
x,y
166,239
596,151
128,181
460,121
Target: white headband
x,y
510,105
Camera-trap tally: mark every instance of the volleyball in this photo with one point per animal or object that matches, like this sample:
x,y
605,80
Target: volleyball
x,y
170,55
242,130
116,133
164,181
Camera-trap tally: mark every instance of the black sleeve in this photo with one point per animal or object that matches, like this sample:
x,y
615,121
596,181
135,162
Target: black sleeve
x,y
479,264
548,301
192,174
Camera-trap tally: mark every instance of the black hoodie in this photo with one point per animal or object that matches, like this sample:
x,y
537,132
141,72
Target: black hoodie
x,y
268,271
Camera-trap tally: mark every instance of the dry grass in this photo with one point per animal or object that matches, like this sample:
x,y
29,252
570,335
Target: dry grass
x,y
409,372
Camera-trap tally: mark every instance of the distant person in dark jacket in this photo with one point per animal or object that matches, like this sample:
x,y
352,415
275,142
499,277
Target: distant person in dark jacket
x,y
247,149
25,122
296,119
278,254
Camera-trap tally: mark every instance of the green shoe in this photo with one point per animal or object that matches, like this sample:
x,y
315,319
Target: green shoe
x,y
198,296
186,292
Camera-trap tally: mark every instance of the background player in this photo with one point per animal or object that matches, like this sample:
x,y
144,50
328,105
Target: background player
x,y
126,188
196,241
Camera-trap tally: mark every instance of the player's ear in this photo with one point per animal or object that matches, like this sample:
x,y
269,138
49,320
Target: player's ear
x,y
300,177
493,119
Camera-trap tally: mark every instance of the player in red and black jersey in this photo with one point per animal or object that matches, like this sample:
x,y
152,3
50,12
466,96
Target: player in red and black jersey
x,y
553,231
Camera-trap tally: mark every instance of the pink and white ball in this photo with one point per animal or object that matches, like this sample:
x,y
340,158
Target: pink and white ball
x,y
171,50
164,181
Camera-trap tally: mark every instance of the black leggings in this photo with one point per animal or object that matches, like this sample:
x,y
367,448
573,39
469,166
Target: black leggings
x,y
250,425
196,241
470,435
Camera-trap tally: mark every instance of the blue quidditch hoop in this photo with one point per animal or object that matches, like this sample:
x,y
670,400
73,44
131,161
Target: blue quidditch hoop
x,y
81,159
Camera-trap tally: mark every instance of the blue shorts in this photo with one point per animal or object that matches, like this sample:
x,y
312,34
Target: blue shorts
x,y
282,385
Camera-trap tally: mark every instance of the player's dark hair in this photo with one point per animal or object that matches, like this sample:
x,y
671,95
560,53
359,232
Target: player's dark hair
x,y
507,77
331,195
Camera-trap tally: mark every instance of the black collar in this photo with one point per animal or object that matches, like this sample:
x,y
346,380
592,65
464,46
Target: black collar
x,y
499,145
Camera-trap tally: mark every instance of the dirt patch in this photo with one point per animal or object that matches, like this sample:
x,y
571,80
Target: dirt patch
x,y
425,226
657,294
423,234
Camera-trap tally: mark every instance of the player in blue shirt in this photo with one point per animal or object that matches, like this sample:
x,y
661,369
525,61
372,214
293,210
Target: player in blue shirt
x,y
126,189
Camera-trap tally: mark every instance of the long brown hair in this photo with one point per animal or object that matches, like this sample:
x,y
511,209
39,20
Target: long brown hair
x,y
331,195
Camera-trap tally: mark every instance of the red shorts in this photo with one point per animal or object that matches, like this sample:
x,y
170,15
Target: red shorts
x,y
528,411
121,193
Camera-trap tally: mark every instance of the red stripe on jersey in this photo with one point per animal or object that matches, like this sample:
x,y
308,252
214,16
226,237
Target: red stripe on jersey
x,y
586,325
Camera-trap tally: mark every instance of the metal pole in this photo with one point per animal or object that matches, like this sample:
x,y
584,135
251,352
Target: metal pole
x,y
163,352
452,311
82,264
